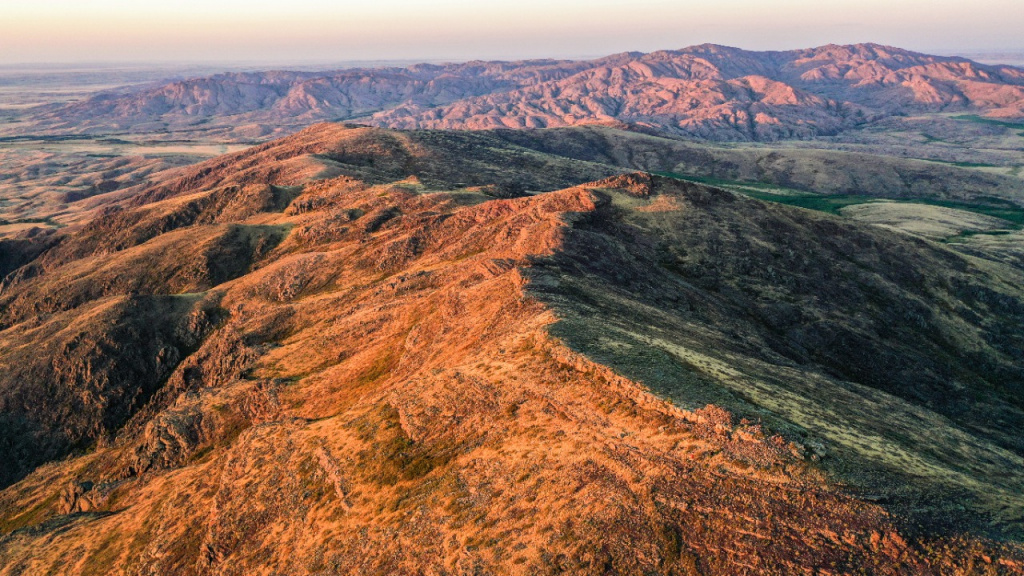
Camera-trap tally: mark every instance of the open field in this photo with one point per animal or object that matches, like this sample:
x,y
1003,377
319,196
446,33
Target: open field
x,y
834,204
966,140
120,146
52,183
929,220
992,229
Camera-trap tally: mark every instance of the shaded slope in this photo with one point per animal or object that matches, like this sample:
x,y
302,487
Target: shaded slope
x,y
711,297
75,379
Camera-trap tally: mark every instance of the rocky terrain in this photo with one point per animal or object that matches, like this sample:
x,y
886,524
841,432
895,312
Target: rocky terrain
x,y
861,121
51,184
364,351
710,92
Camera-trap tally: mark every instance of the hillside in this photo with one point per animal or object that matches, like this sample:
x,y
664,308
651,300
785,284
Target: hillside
x,y
356,350
711,92
54,184
821,171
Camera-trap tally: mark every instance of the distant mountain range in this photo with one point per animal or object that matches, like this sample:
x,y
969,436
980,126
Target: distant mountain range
x,y
707,91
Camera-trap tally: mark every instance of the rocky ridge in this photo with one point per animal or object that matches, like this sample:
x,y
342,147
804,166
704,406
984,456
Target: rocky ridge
x,y
375,364
705,91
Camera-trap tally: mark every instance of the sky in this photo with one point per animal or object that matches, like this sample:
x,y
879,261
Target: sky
x,y
294,31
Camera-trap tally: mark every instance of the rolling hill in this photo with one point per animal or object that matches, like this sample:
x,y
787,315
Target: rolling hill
x,y
359,350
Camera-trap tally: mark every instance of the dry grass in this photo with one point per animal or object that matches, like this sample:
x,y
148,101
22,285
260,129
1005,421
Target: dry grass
x,y
412,396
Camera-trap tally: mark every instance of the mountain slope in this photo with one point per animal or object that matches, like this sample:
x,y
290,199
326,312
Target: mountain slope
x,y
722,93
187,232
43,191
808,318
703,91
821,171
357,372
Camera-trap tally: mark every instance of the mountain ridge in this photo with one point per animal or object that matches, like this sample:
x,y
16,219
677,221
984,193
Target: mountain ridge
x,y
358,359
707,91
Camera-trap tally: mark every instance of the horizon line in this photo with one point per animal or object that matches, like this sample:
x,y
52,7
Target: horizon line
x,y
440,60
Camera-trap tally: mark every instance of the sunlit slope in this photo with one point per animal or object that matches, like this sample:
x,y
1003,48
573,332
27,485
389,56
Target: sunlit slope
x,y
360,358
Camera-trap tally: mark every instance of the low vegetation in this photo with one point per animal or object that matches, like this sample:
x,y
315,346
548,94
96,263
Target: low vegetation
x,y
365,351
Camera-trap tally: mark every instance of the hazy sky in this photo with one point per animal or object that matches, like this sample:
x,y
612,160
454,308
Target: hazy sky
x,y
320,30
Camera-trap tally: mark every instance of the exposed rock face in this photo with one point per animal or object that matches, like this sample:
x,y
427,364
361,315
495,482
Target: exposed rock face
x,y
632,375
703,91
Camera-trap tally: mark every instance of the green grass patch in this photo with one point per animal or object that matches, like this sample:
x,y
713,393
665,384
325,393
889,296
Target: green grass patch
x,y
988,121
996,207
32,516
830,204
1008,211
722,183
962,164
966,234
